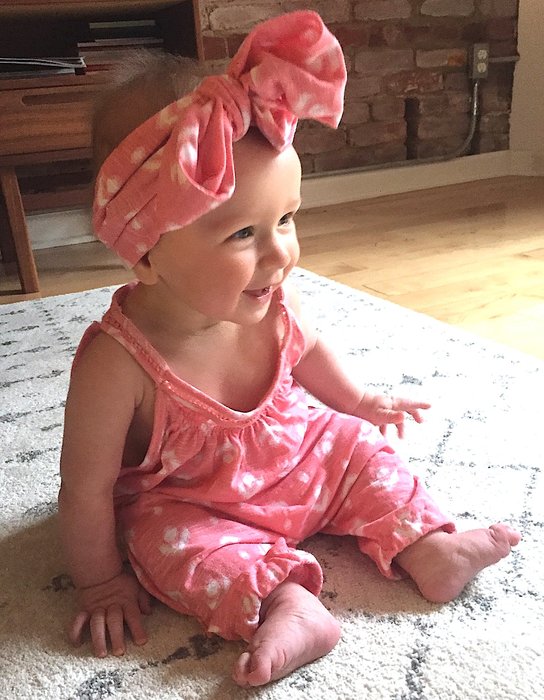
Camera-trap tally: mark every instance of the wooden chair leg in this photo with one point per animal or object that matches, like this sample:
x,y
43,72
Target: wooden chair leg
x,y
7,247
26,266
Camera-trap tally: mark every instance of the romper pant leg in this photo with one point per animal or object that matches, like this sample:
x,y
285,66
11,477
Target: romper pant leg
x,y
208,566
384,505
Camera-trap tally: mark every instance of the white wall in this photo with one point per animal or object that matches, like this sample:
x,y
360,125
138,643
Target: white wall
x,y
527,121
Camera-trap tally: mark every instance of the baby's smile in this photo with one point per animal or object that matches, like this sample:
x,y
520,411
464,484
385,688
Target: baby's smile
x,y
260,294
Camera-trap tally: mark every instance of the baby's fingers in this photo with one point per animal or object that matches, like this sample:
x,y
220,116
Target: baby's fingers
x,y
116,630
97,626
413,408
144,601
416,415
133,618
75,631
389,416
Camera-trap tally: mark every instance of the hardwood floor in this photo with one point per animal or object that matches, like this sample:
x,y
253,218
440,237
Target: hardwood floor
x,y
471,255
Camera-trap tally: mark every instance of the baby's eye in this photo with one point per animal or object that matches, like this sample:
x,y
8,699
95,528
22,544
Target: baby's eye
x,y
286,219
242,233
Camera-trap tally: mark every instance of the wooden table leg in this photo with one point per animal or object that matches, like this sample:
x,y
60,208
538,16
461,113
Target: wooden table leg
x,y
19,231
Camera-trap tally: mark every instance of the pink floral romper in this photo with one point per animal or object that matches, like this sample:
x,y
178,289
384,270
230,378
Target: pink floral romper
x,y
213,514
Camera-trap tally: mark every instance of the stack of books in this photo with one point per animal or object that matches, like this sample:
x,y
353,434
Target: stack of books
x,y
113,42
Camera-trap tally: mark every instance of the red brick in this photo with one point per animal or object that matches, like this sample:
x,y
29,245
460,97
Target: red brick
x,y
442,126
492,101
241,16
356,113
432,105
352,34
438,147
495,123
341,160
447,8
357,88
457,81
330,12
319,140
375,133
215,48
413,82
501,29
388,61
487,143
387,108
499,8
360,157
447,58
382,9
460,101
234,41
440,33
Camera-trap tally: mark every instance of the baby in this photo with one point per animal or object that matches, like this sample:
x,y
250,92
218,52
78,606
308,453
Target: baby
x,y
189,435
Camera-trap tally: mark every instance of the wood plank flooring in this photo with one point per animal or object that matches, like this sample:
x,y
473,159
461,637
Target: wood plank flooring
x,y
471,255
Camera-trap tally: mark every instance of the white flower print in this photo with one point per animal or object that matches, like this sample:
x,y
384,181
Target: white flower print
x,y
407,528
175,540
228,539
271,435
170,461
215,588
226,452
325,445
249,484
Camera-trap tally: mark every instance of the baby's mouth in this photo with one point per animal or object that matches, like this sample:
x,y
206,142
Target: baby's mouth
x,y
258,293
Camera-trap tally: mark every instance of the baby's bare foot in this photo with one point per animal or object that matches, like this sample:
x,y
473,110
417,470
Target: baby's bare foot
x,y
296,629
442,563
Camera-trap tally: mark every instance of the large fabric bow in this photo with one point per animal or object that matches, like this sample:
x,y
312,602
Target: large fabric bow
x,y
178,165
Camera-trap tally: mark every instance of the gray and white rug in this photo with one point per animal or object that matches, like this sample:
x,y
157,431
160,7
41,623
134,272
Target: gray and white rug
x,y
480,452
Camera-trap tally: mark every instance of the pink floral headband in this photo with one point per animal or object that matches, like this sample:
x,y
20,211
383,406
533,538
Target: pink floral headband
x,y
178,165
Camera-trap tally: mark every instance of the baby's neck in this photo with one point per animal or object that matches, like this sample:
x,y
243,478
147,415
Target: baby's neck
x,y
158,319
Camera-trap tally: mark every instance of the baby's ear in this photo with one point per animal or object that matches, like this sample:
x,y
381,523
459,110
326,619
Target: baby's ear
x,y
145,270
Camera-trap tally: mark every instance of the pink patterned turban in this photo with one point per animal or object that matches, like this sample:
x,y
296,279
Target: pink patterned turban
x,y
178,165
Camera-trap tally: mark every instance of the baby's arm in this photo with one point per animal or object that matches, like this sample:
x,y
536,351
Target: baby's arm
x,y
104,392
322,374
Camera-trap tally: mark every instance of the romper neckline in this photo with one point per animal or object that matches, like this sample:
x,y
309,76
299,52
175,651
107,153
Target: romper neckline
x,y
189,395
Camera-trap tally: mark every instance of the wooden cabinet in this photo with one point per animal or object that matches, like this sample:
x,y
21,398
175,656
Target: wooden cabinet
x,y
45,133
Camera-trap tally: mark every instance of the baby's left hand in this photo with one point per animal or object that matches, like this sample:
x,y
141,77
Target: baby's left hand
x,y
382,410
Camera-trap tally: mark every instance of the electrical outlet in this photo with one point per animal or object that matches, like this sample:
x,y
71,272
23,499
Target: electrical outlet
x,y
479,64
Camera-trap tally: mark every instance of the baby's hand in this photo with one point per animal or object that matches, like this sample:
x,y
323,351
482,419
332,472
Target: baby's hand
x,y
382,410
105,608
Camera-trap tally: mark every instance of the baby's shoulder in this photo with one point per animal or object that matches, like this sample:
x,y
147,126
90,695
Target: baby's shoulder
x,y
105,361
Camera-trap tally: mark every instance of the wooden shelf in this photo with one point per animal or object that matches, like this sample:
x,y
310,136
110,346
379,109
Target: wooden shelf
x,y
48,119
59,8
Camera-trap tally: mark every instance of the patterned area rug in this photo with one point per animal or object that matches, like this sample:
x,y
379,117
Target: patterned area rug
x,y
480,452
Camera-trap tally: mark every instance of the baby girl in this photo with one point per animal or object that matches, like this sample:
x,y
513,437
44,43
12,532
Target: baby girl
x,y
191,444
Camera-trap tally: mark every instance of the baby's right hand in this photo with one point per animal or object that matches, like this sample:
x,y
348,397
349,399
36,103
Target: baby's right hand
x,y
105,608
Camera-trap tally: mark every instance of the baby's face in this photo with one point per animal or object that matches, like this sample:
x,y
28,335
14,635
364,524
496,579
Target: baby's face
x,y
226,265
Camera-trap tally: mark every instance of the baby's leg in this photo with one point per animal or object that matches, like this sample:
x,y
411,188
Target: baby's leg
x,y
239,581
399,525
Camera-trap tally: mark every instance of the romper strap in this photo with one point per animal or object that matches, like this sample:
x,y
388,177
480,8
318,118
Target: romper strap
x,y
124,331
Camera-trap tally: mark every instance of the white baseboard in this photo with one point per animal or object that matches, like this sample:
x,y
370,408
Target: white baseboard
x,y
55,228
51,229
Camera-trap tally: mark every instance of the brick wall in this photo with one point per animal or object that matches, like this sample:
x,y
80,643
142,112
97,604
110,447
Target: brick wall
x,y
408,93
